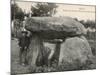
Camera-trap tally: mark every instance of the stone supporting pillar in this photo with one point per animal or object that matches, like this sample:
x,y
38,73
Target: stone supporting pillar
x,y
34,50
57,52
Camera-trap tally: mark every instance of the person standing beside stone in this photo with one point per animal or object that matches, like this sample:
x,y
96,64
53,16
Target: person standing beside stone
x,y
24,42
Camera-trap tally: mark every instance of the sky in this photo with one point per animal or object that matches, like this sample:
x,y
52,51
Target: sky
x,y
82,12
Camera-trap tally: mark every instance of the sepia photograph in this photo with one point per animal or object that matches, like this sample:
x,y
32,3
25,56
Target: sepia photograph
x,y
52,37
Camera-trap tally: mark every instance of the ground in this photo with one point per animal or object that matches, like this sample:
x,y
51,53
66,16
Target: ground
x,y
15,66
19,69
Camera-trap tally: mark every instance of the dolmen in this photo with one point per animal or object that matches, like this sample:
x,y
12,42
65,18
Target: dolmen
x,y
65,32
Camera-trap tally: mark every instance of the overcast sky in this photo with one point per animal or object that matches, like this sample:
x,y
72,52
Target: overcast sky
x,y
76,11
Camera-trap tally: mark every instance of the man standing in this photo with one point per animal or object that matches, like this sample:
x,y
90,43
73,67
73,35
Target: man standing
x,y
24,42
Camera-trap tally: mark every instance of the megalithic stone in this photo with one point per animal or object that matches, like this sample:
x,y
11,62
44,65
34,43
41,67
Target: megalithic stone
x,y
75,48
34,49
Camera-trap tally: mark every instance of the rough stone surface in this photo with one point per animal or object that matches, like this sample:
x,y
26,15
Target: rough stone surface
x,y
54,27
76,48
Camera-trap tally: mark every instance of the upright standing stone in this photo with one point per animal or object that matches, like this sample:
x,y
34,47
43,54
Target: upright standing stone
x,y
34,50
75,49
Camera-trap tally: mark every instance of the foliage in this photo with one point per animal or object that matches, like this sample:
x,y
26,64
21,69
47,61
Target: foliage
x,y
88,23
43,9
18,25
16,12
91,35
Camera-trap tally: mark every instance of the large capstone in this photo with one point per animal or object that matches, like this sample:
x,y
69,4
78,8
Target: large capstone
x,y
54,27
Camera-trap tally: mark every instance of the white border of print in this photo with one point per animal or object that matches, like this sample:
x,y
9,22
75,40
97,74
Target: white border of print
x,y
5,37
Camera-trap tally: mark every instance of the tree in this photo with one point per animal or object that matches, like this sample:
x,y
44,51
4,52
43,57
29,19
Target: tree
x,y
44,9
16,12
88,23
